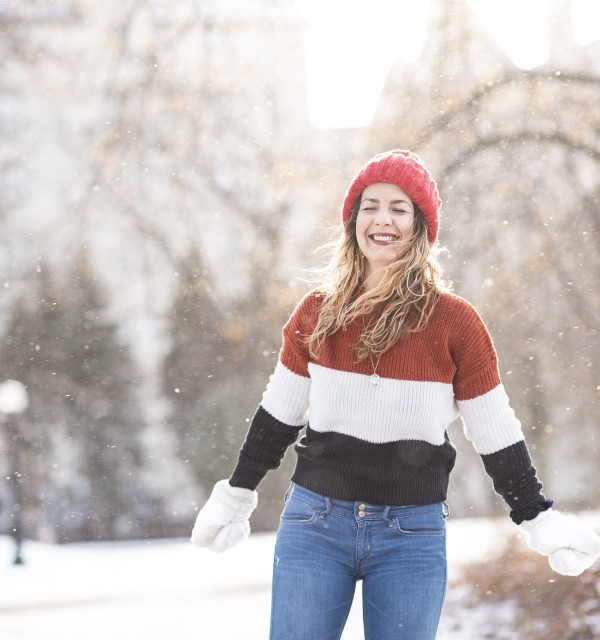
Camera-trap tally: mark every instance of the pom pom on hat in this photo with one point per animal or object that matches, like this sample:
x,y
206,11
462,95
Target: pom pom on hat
x,y
405,169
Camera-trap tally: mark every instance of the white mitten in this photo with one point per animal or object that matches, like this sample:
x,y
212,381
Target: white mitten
x,y
223,521
571,548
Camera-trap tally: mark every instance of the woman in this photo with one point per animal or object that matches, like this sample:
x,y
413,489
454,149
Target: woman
x,y
384,358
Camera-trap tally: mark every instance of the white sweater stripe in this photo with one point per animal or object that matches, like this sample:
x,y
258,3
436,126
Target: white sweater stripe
x,y
490,422
286,396
391,411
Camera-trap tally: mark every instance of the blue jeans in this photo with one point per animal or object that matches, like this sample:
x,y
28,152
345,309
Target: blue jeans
x,y
324,546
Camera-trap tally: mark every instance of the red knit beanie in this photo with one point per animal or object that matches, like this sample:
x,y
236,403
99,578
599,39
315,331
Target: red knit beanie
x,y
405,169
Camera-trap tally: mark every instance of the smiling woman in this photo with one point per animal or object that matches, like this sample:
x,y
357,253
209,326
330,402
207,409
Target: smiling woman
x,y
383,358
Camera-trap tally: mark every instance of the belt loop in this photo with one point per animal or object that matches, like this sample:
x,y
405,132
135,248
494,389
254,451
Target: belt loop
x,y
323,514
445,509
288,493
384,515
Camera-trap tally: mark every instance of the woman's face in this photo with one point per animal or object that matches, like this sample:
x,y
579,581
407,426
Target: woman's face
x,y
384,224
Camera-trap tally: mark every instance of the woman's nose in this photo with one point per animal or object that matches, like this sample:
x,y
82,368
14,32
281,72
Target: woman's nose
x,y
383,217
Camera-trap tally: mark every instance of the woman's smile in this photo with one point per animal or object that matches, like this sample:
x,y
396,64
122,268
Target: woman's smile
x,y
384,239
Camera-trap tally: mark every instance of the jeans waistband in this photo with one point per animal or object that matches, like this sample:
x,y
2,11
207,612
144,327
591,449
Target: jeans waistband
x,y
360,509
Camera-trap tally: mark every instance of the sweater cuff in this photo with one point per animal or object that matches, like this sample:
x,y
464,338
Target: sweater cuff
x,y
530,511
515,480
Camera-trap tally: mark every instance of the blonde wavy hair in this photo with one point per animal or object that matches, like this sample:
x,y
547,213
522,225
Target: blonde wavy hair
x,y
404,298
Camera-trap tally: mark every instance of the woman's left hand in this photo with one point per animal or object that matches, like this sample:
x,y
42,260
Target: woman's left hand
x,y
571,548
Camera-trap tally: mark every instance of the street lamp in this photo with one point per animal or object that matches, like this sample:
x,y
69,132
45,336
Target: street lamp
x,y
14,400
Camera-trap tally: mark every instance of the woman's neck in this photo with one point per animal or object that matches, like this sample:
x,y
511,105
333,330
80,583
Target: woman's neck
x,y
373,277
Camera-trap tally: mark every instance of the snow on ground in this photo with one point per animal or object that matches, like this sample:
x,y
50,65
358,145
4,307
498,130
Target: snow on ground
x,y
159,589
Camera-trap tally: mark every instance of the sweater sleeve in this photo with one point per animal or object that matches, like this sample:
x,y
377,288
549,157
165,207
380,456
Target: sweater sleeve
x,y
490,423
282,412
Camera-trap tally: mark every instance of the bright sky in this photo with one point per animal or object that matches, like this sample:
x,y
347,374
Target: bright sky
x,y
350,45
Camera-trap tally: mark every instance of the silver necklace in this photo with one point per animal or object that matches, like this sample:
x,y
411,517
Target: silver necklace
x,y
374,378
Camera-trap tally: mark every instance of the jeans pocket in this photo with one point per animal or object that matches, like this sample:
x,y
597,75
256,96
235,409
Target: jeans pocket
x,y
429,523
298,512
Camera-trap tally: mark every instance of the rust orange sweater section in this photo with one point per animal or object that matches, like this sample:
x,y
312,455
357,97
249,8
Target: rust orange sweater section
x,y
455,348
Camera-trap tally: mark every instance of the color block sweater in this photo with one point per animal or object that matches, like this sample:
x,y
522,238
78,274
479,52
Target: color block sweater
x,y
387,443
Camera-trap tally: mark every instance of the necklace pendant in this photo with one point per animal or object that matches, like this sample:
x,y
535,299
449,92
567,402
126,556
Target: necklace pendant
x,y
374,379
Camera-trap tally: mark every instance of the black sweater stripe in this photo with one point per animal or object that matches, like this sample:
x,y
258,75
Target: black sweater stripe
x,y
396,473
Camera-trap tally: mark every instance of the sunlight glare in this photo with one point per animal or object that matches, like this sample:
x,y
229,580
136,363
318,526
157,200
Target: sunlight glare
x,y
351,44
585,18
520,28
349,47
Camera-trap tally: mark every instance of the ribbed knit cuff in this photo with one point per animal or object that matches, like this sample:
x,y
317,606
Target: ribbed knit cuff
x,y
530,511
514,478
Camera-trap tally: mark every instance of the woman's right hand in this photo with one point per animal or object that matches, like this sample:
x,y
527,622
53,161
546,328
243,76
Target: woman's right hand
x,y
223,521
571,548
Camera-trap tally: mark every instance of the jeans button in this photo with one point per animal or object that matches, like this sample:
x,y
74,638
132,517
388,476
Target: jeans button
x,y
362,507
361,514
